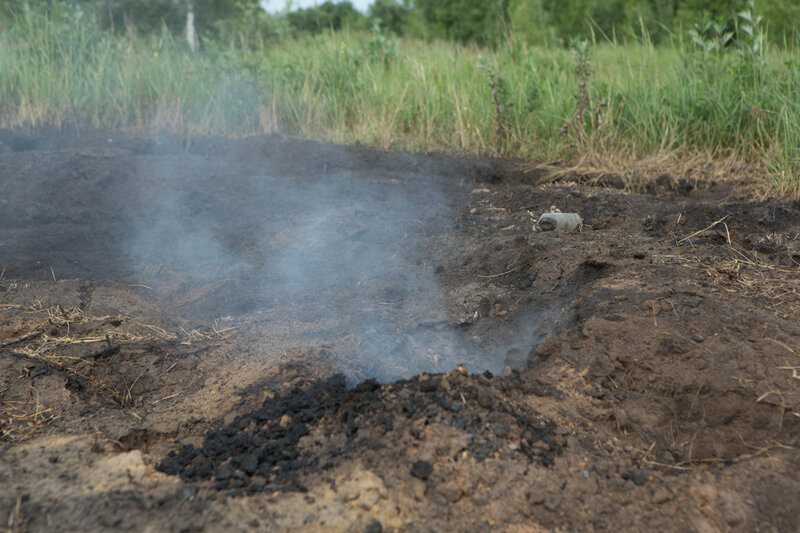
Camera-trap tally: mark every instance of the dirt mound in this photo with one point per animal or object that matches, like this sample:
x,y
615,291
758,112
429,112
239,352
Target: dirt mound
x,y
265,333
262,450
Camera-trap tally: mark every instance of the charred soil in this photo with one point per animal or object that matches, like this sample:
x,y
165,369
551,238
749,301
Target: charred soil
x,y
277,335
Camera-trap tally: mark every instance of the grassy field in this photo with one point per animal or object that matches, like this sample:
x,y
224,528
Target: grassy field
x,y
631,99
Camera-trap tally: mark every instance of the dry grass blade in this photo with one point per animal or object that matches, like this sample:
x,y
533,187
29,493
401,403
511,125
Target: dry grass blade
x,y
15,518
127,399
502,273
21,338
794,369
696,233
782,345
665,465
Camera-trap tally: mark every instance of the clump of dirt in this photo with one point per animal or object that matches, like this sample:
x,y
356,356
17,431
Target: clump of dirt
x,y
267,448
263,333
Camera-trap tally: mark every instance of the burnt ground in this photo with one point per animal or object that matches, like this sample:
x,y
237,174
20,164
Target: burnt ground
x,y
276,335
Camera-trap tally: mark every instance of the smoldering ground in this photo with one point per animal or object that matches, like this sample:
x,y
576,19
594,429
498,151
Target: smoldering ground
x,y
351,253
341,249
352,250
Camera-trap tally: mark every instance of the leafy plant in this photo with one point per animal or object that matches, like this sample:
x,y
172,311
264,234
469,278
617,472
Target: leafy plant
x,y
584,106
751,37
501,102
381,47
710,36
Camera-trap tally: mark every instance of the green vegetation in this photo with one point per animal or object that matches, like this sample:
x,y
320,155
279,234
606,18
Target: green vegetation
x,y
719,88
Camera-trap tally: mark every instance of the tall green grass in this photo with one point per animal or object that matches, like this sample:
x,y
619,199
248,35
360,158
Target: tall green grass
x,y
59,68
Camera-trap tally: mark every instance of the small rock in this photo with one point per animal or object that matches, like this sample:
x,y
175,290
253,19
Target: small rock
x,y
484,399
374,527
639,477
421,470
224,472
449,491
249,464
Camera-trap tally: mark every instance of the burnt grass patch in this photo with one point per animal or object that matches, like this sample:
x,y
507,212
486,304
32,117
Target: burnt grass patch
x,y
262,450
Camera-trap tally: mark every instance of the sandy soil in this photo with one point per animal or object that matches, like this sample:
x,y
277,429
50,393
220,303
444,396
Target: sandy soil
x,y
272,335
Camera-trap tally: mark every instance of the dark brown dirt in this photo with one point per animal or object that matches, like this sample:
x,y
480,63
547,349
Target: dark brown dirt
x,y
268,334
